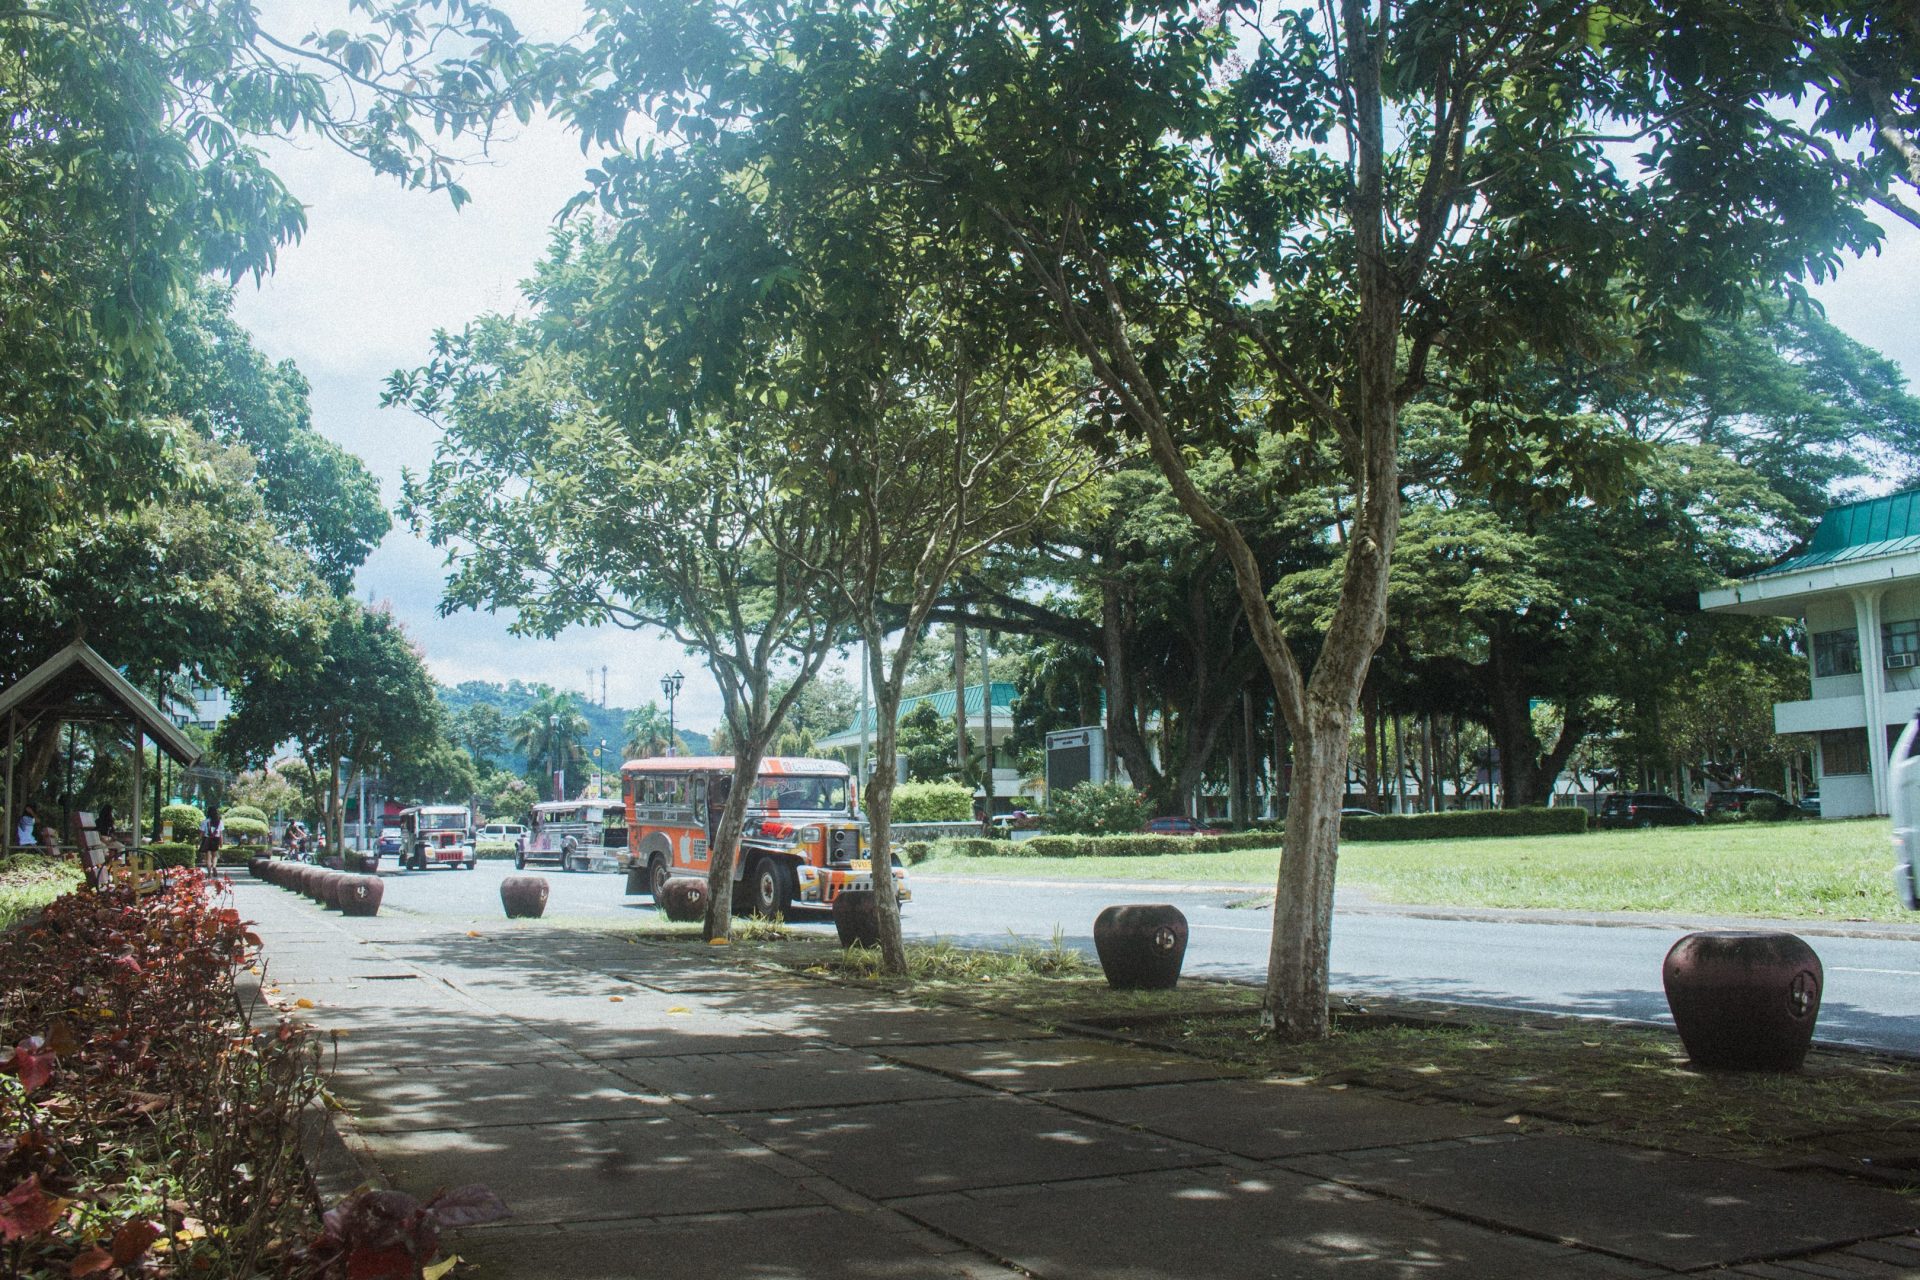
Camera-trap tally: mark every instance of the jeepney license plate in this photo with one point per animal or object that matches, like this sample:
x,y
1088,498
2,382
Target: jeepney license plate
x,y
861,864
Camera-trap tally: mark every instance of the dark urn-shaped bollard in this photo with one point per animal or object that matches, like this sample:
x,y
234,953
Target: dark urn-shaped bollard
x,y
360,895
1744,1001
257,868
684,898
1141,946
524,897
856,917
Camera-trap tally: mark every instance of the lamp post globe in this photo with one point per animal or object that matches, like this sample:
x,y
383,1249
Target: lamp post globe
x,y
670,685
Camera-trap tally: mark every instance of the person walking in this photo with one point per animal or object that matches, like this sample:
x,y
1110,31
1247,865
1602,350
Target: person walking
x,y
211,831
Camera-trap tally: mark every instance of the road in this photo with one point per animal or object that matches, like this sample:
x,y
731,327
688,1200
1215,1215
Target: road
x,y
1872,995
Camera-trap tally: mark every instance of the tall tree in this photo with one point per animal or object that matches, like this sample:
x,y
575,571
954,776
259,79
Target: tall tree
x,y
551,733
362,706
1314,203
130,165
574,487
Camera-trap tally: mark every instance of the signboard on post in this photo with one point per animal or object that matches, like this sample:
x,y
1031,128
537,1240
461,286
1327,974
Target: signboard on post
x,y
1075,756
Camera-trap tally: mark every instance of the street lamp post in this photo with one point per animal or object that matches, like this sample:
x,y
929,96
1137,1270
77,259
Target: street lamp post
x,y
670,685
553,754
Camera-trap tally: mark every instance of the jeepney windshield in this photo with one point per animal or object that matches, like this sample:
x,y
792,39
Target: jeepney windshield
x,y
799,791
443,821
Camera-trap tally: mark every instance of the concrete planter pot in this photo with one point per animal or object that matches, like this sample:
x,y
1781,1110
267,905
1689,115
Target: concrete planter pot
x,y
1141,946
1744,1001
856,918
684,898
524,897
360,895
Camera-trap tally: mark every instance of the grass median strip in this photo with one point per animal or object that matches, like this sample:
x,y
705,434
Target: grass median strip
x,y
1793,870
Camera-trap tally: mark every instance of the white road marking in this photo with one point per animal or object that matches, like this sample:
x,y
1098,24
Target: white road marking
x,y
1904,973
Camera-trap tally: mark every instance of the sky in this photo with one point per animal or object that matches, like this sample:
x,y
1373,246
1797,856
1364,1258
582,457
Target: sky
x,y
380,268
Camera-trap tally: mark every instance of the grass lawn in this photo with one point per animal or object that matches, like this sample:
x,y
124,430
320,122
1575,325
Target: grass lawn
x,y
1792,870
29,882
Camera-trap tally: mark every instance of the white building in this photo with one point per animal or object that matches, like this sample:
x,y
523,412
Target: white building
x,y
1010,788
1856,585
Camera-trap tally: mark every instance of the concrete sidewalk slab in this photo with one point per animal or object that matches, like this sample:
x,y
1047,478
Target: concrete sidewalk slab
x,y
1674,1211
779,1245
912,1148
650,1164
1266,1119
1058,1063
870,1022
479,1097
682,1038
813,1077
1211,1224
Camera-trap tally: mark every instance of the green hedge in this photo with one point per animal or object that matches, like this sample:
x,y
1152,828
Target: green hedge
x,y
932,802
170,853
1135,846
186,818
249,812
244,830
493,849
1457,824
239,855
1468,824
1127,846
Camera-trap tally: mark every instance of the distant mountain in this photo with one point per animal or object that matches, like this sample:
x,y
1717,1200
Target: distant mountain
x,y
604,723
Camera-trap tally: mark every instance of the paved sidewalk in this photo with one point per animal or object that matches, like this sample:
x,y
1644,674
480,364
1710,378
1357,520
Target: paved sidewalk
x,y
648,1110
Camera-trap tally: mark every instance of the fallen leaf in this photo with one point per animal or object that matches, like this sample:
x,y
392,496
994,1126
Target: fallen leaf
x,y
303,1003
439,1269
94,1259
133,1239
679,1008
475,933
615,999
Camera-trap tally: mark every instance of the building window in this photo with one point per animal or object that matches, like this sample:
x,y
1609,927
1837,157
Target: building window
x,y
1836,653
1901,638
1843,751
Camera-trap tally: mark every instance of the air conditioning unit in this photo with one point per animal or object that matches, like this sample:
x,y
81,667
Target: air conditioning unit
x,y
1900,660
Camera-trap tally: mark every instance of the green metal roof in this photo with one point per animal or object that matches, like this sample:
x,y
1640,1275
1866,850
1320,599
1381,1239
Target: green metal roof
x,y
942,700
1858,531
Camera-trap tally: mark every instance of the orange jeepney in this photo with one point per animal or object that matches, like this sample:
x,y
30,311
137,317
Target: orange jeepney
x,y
804,841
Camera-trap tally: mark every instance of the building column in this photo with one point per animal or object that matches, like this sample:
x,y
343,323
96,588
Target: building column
x,y
1873,684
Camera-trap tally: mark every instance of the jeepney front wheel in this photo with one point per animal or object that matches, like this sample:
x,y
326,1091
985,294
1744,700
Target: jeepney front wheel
x,y
657,875
769,888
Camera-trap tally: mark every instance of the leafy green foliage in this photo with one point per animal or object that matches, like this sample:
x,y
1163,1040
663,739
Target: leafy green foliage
x,y
186,820
1097,808
364,702
932,802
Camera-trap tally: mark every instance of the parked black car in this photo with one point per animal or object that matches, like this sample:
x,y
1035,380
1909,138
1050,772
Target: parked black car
x,y
1737,799
1645,809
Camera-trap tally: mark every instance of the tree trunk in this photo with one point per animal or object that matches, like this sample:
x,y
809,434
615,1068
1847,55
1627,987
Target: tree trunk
x,y
725,853
1296,1003
961,746
1123,723
879,803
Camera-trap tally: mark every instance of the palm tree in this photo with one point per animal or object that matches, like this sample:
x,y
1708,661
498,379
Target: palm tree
x,y
552,733
647,733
